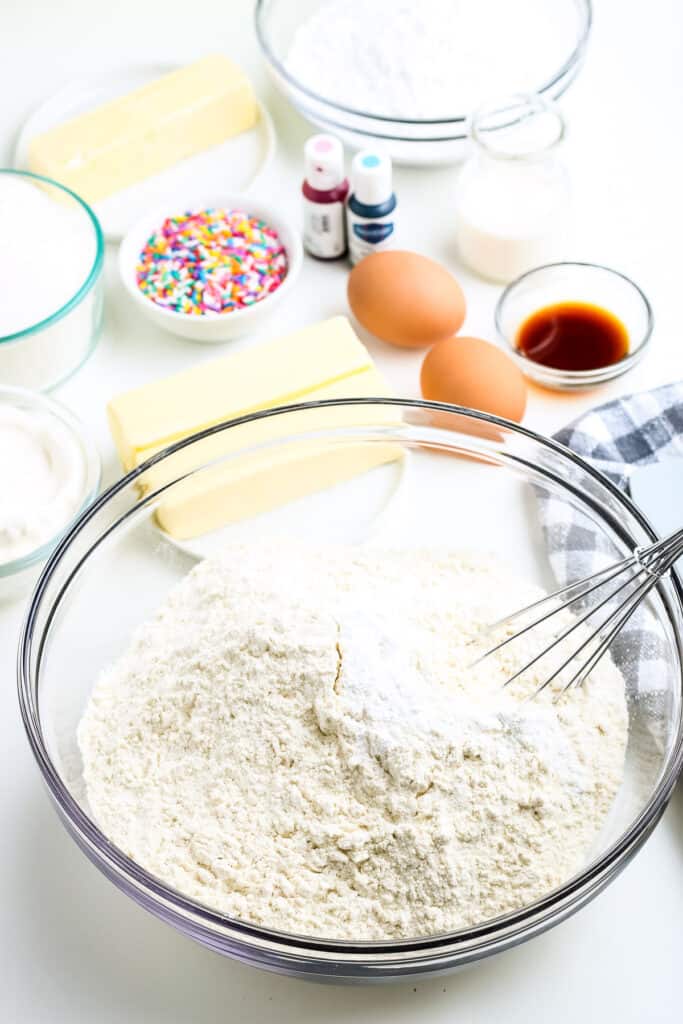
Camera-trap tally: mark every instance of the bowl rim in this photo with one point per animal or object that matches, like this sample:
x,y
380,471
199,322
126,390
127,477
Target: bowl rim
x,y
26,398
314,953
128,253
563,379
585,11
93,273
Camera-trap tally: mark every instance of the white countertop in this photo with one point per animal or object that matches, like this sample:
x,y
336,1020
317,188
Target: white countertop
x,y
72,947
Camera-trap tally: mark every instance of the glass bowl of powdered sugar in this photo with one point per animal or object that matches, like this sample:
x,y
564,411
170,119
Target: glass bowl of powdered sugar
x,y
409,74
51,259
276,741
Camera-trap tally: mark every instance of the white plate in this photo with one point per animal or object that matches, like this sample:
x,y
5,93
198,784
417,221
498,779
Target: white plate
x,y
233,166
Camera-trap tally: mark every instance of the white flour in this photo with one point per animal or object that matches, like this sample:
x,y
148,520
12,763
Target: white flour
x,y
296,740
433,59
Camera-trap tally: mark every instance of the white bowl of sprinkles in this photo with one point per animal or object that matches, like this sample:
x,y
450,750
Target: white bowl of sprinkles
x,y
211,269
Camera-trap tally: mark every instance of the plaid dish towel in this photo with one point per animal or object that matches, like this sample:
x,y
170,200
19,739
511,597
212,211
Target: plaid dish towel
x,y
628,432
615,438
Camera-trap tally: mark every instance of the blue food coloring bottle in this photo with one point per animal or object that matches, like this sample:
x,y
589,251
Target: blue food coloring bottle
x,y
370,211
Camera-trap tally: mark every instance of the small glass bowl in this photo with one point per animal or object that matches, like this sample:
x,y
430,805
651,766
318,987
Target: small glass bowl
x,y
575,282
19,575
44,354
433,141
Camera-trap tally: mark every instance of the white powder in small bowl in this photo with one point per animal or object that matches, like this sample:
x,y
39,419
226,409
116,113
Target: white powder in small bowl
x,y
43,474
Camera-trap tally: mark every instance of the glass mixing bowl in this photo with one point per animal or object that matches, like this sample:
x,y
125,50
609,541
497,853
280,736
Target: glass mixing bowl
x,y
463,479
441,140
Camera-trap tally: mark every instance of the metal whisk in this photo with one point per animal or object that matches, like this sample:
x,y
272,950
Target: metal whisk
x,y
635,576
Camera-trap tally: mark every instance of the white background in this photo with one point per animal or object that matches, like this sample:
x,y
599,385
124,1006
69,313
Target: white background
x,y
74,949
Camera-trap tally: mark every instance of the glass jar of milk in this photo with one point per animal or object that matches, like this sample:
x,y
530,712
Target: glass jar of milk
x,y
512,202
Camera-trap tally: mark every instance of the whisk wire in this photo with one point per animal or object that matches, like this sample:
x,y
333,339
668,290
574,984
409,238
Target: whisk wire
x,y
649,565
578,677
549,599
597,634
575,624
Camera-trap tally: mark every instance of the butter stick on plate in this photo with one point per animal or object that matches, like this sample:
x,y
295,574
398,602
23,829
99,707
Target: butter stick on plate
x,y
260,465
148,130
286,370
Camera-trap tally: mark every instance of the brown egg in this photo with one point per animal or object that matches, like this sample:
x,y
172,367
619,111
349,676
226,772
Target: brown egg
x,y
476,374
405,299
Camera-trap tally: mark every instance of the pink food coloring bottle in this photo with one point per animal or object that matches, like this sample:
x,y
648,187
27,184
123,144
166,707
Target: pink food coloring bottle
x,y
324,190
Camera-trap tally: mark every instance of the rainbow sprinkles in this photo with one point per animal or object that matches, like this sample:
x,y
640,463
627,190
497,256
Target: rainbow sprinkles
x,y
211,261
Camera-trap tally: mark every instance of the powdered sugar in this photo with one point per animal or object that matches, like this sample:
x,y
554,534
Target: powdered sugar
x,y
433,59
296,740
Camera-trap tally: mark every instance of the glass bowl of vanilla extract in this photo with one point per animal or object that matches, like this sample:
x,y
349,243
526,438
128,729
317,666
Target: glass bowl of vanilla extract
x,y
571,326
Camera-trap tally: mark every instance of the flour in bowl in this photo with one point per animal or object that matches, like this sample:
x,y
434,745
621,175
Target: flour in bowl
x,y
296,739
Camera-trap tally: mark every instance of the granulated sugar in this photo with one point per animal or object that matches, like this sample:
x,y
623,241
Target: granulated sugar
x,y
48,253
48,247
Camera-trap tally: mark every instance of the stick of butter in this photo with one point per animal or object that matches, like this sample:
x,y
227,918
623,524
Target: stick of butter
x,y
283,371
146,131
267,463
260,465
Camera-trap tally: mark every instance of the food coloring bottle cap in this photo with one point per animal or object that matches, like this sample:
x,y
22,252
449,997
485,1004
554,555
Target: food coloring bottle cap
x,y
371,177
324,156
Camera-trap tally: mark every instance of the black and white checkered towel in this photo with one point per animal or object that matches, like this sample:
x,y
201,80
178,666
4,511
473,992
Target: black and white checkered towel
x,y
615,438
629,431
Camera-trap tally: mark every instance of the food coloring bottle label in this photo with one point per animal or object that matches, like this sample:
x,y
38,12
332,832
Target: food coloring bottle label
x,y
324,229
373,233
366,236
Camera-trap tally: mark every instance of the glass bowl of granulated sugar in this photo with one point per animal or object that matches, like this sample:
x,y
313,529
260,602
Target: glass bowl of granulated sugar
x,y
52,284
246,676
409,74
